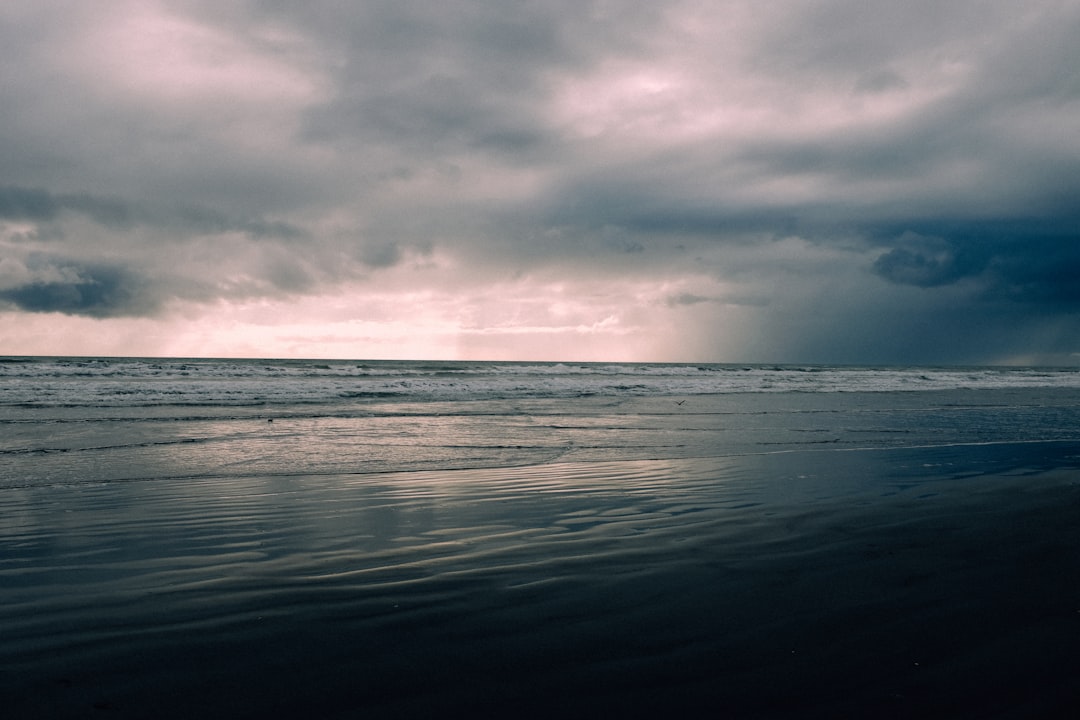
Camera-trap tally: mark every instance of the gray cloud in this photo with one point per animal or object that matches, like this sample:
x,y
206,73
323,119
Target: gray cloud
x,y
924,157
18,203
99,291
929,262
21,203
1023,261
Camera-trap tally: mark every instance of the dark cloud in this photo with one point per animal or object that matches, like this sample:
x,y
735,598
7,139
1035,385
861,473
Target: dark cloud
x,y
928,262
18,203
210,221
105,211
95,291
381,256
687,298
21,203
1026,261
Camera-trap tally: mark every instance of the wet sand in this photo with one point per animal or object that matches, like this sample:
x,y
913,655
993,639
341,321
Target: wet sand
x,y
904,583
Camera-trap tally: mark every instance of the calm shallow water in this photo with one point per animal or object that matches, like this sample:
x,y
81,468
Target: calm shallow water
x,y
882,554
70,445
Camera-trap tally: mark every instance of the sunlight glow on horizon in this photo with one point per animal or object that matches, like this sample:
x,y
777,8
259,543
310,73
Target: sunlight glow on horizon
x,y
524,322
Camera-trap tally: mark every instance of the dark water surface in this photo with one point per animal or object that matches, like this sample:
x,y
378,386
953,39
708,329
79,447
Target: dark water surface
x,y
525,550
900,583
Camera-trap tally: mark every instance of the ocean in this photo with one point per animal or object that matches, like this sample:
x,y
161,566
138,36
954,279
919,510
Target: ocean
x,y
329,538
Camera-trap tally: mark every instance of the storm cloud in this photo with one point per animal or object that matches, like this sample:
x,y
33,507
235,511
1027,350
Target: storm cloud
x,y
93,291
837,181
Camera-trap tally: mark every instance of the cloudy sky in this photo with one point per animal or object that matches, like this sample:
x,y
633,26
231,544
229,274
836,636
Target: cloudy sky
x,y
728,180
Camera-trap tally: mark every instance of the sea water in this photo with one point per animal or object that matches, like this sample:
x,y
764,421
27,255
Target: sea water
x,y
231,538
74,420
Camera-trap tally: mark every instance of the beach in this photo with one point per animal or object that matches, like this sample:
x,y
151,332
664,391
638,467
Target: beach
x,y
786,574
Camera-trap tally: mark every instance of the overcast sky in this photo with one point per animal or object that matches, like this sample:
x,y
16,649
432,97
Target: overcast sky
x,y
787,181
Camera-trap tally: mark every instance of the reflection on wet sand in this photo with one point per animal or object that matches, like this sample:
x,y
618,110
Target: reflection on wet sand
x,y
888,583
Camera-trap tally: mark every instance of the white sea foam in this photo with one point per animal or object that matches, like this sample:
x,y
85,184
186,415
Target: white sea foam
x,y
115,382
